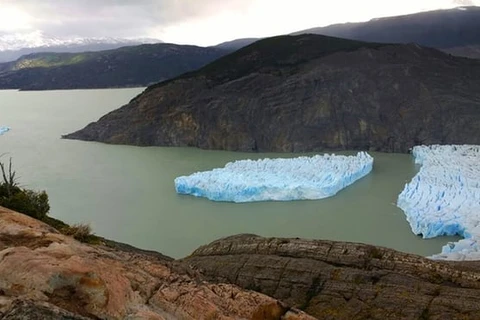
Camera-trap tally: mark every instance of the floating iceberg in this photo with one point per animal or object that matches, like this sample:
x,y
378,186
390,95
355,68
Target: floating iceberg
x,y
444,198
4,130
299,178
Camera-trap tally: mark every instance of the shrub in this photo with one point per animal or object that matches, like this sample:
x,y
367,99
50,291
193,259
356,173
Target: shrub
x,y
83,233
35,204
80,232
32,203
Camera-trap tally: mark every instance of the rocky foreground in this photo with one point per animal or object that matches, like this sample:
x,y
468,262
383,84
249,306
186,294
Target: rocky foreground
x,y
338,280
306,93
46,275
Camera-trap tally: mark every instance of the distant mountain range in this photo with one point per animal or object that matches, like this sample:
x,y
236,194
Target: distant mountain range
x,y
13,46
124,67
306,93
455,31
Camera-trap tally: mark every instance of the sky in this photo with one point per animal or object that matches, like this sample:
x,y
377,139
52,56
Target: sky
x,y
200,22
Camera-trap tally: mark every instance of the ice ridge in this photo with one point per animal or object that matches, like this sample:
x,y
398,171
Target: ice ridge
x,y
444,198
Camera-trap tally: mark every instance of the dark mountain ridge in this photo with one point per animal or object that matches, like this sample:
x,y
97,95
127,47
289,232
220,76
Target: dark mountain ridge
x,y
124,67
306,93
437,29
455,31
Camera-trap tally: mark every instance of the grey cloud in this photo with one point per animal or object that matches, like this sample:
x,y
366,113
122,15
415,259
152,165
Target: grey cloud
x,y
464,2
122,18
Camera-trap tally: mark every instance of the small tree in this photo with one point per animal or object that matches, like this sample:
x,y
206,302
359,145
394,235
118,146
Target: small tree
x,y
29,202
9,184
35,204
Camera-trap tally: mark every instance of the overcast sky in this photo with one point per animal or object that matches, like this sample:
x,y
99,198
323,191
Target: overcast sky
x,y
201,22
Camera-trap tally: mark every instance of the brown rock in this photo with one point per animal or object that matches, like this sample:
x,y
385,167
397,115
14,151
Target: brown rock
x,y
44,274
335,280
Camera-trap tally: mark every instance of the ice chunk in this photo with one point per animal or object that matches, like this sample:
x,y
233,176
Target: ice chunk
x,y
444,197
299,178
4,130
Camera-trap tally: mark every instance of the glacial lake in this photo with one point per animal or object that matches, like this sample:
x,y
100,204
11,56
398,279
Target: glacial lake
x,y
127,193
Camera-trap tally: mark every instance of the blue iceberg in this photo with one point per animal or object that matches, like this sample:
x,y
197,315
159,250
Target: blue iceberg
x,y
4,130
299,178
444,198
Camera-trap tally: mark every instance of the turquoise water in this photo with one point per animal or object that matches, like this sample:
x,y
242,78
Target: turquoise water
x,y
127,193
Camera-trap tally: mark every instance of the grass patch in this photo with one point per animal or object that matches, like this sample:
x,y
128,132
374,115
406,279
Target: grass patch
x,y
81,232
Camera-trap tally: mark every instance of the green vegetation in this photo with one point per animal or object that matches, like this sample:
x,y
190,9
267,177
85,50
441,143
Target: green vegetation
x,y
133,66
48,60
35,204
32,203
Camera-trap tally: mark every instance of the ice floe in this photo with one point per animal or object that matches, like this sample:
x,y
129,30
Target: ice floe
x,y
444,198
279,179
4,130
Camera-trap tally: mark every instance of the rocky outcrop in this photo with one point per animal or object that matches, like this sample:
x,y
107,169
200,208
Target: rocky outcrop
x,y
307,93
334,280
46,275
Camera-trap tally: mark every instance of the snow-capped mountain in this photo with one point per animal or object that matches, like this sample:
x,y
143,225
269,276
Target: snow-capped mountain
x,y
12,46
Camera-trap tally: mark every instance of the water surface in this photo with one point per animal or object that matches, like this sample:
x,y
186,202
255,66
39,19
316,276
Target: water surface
x,y
127,193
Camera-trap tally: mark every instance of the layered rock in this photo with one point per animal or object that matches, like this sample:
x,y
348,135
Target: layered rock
x,y
335,280
307,93
46,275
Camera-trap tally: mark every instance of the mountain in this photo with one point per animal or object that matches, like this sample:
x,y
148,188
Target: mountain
x,y
306,93
455,31
237,43
124,67
444,29
13,46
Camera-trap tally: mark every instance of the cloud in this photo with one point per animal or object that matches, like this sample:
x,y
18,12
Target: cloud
x,y
464,2
196,21
122,18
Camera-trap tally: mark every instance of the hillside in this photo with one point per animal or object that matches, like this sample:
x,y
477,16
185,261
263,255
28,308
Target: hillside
x,y
124,67
454,31
443,29
15,45
306,93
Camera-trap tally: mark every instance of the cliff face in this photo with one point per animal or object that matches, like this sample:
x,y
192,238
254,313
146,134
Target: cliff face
x,y
306,93
334,280
46,275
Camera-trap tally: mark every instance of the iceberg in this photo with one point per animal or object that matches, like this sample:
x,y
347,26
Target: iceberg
x,y
444,198
4,130
279,179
